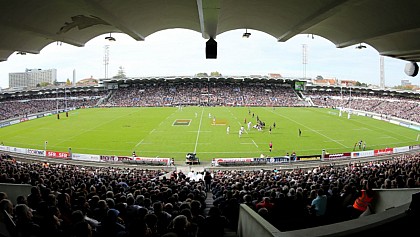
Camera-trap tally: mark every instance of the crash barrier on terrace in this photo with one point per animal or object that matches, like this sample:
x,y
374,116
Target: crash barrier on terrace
x,y
15,190
88,157
218,163
391,206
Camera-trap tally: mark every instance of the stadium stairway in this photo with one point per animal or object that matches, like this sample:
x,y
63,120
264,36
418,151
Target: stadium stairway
x,y
209,200
209,203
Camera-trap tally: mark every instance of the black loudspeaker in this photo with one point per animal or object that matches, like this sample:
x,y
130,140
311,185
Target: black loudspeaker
x,y
211,48
411,69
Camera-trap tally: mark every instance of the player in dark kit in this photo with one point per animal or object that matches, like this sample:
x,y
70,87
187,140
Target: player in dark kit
x,y
300,132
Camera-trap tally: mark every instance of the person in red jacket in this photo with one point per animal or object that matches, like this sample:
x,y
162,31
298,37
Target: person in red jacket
x,y
265,203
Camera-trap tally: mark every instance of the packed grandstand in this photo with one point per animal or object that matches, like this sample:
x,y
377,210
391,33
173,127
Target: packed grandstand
x,y
86,200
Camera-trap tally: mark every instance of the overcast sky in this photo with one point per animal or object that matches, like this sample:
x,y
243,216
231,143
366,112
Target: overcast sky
x,y
179,52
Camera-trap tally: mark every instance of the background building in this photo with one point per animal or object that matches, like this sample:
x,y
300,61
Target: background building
x,y
32,78
405,83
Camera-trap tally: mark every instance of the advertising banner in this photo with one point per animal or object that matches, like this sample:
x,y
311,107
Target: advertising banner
x,y
401,149
4,148
166,161
14,122
273,160
310,157
35,152
18,150
337,156
108,158
359,154
218,161
58,154
5,124
85,157
414,147
385,151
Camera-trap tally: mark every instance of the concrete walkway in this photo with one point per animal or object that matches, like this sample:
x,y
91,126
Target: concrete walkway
x,y
209,204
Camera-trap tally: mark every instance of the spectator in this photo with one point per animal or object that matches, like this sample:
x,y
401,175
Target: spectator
x,y
7,224
25,226
363,201
207,181
215,223
179,227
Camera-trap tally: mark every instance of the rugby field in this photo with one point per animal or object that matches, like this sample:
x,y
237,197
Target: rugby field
x,y
173,132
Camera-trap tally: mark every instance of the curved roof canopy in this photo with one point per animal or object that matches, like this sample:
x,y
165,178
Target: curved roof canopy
x,y
391,27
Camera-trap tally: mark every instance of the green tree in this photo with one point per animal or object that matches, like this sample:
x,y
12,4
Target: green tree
x,y
215,74
68,82
201,74
121,73
43,84
358,83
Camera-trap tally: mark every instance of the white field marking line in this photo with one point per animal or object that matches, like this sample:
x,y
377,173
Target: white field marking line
x,y
309,129
198,131
189,143
167,118
246,143
240,124
139,143
379,128
254,143
356,129
152,131
189,123
387,137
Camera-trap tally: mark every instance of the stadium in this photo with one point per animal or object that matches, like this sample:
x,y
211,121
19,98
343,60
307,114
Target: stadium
x,y
209,155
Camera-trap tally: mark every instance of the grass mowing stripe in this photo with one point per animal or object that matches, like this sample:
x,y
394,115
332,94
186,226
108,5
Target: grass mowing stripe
x,y
91,129
366,125
119,137
385,130
309,128
153,131
139,143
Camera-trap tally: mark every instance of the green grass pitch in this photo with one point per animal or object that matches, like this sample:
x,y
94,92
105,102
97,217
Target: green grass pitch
x,y
173,132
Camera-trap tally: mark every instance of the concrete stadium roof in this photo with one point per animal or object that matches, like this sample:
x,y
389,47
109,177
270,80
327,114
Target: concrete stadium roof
x,y
391,27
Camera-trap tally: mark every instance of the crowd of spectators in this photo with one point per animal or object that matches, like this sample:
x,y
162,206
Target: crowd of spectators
x,y
404,108
67,200
205,93
26,105
163,93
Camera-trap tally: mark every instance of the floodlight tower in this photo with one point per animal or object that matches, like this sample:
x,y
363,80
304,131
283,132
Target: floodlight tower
x,y
106,60
304,59
382,73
